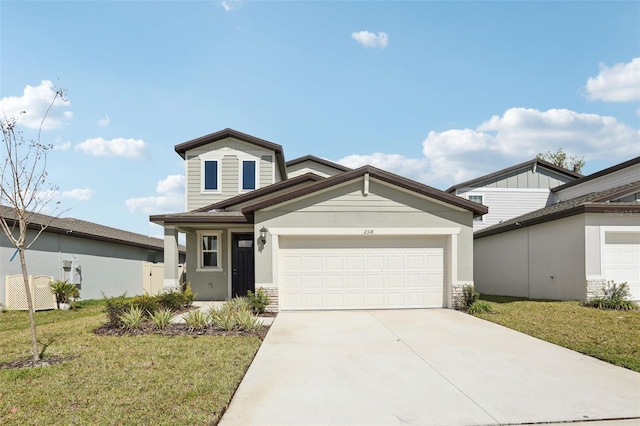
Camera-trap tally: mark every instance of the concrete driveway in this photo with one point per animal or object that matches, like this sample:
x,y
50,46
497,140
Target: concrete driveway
x,y
422,367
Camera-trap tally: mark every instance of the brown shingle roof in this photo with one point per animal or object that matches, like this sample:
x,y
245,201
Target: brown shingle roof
x,y
595,202
318,160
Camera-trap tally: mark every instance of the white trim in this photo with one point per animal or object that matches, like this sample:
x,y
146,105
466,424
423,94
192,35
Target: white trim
x,y
366,184
365,231
275,261
218,190
603,242
485,189
480,219
199,235
256,179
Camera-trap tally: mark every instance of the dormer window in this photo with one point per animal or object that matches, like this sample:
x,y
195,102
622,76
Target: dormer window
x,y
249,175
210,175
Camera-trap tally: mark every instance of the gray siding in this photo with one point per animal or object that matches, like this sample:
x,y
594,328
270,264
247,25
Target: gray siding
x,y
611,180
107,268
228,151
526,178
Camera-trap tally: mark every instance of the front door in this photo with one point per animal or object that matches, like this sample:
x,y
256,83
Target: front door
x,y
243,265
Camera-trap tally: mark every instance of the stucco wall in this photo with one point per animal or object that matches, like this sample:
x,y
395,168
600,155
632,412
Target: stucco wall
x,y
383,207
545,261
106,267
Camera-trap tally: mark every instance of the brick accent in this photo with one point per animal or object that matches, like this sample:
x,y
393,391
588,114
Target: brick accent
x,y
595,288
272,292
456,294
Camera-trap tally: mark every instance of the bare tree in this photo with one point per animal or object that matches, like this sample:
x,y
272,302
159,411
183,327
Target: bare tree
x,y
25,189
560,158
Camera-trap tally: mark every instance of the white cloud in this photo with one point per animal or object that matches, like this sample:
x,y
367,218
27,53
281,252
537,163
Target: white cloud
x,y
170,197
620,83
368,39
31,107
82,194
64,146
104,122
229,5
456,155
118,147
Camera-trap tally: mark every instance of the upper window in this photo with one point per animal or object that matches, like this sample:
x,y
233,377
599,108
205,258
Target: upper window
x,y
477,199
210,174
209,250
248,175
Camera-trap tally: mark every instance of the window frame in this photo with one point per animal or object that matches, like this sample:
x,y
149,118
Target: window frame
x,y
218,188
256,169
218,250
477,218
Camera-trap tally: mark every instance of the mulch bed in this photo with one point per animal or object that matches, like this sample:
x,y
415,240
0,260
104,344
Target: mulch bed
x,y
176,330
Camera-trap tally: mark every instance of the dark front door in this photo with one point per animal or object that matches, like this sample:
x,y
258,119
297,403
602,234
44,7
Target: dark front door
x,y
243,265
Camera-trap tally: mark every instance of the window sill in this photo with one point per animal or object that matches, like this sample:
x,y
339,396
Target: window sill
x,y
211,269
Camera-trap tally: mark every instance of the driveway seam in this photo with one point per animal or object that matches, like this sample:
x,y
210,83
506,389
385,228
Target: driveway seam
x,y
372,313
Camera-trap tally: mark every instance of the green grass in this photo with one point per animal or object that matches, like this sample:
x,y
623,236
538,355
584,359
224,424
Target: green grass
x,y
612,336
149,379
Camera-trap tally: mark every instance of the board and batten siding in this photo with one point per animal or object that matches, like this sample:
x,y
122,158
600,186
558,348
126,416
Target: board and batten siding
x,y
525,177
610,180
506,204
229,152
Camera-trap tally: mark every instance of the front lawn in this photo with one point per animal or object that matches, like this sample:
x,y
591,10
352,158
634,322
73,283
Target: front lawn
x,y
146,379
612,336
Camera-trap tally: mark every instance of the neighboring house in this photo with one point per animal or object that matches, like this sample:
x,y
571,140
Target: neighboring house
x,y
100,259
513,191
314,234
588,235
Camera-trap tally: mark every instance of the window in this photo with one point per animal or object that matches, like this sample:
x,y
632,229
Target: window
x,y
209,250
477,199
248,175
210,175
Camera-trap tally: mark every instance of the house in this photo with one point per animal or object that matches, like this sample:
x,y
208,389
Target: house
x,y
312,233
101,260
514,191
588,234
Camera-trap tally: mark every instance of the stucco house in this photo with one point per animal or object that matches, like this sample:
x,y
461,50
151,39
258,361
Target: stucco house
x,y
312,233
588,234
99,259
514,191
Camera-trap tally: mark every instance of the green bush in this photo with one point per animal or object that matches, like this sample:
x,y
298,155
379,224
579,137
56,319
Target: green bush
x,y
615,297
480,306
147,303
247,321
172,300
133,318
258,300
468,297
188,296
196,319
115,307
223,318
64,291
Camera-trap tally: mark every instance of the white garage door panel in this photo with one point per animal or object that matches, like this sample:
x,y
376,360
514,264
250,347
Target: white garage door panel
x,y
361,273
622,260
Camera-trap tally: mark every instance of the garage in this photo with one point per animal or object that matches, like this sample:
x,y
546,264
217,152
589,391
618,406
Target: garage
x,y
361,272
622,260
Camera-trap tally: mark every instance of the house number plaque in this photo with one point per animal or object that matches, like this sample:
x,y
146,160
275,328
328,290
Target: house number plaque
x,y
368,231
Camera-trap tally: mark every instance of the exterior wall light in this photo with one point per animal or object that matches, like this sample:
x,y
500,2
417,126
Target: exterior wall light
x,y
263,235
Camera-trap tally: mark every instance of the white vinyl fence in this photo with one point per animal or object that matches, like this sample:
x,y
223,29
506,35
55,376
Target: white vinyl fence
x,y
16,296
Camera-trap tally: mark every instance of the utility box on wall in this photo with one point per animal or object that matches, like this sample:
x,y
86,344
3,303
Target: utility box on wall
x,y
76,273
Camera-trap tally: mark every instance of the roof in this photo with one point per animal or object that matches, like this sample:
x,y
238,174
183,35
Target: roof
x,y
535,161
270,189
318,160
230,133
200,217
594,202
89,230
477,209
596,175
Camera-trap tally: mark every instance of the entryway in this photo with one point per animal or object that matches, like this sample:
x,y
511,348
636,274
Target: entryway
x,y
242,264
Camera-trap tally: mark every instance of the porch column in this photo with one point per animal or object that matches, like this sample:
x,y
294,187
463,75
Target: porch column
x,y
171,259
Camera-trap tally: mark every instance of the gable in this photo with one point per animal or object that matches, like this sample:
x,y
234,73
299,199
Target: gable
x,y
529,177
316,165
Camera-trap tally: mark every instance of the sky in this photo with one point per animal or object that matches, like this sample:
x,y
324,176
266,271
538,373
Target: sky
x,y
439,92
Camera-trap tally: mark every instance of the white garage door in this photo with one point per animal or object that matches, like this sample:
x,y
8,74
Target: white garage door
x,y
622,260
361,273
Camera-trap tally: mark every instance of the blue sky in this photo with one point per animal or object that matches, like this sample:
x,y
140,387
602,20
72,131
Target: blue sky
x,y
439,92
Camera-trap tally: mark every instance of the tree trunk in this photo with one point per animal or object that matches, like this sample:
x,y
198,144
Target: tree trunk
x,y
32,316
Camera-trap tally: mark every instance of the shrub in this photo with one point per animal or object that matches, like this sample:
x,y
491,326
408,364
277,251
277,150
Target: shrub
x,y
115,307
615,296
64,291
133,318
238,304
223,318
172,300
468,297
147,303
161,318
247,321
480,306
258,300
196,319
188,296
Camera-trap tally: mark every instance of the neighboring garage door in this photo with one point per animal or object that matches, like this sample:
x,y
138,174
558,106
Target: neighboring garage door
x,y
622,260
361,272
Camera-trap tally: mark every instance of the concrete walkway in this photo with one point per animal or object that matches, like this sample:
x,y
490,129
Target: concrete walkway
x,y
423,367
